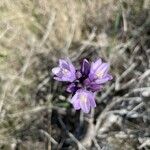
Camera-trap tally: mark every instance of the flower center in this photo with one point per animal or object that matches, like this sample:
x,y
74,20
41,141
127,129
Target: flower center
x,y
99,74
65,71
83,98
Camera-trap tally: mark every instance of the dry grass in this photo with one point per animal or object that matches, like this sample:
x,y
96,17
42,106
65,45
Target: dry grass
x,y
34,34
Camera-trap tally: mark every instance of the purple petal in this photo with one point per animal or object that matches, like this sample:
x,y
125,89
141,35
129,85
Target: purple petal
x,y
76,105
78,74
72,68
63,64
71,88
91,76
74,98
92,103
110,76
56,70
58,79
68,78
103,80
103,68
95,87
85,106
85,69
87,82
75,101
96,64
91,97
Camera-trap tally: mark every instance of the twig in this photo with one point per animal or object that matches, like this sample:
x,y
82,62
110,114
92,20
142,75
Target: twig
x,y
146,143
123,75
37,109
76,141
44,82
146,4
3,33
65,49
48,29
110,106
91,37
34,110
71,135
124,17
135,108
87,140
128,84
3,96
144,75
138,90
96,144
49,137
108,91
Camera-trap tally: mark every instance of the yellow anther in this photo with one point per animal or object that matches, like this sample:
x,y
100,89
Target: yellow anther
x,y
99,74
83,98
65,71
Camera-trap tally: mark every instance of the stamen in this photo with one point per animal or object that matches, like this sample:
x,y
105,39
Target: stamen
x,y
83,98
99,74
65,71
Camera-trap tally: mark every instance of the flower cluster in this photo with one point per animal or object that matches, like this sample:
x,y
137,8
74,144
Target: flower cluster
x,y
83,83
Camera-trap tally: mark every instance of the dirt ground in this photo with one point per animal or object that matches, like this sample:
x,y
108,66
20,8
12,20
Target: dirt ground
x,y
34,110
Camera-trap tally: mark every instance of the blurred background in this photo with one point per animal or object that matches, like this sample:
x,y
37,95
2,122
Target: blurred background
x,y
34,110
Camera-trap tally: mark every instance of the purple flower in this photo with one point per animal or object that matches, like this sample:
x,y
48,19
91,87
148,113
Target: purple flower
x,y
84,100
99,72
83,83
65,71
